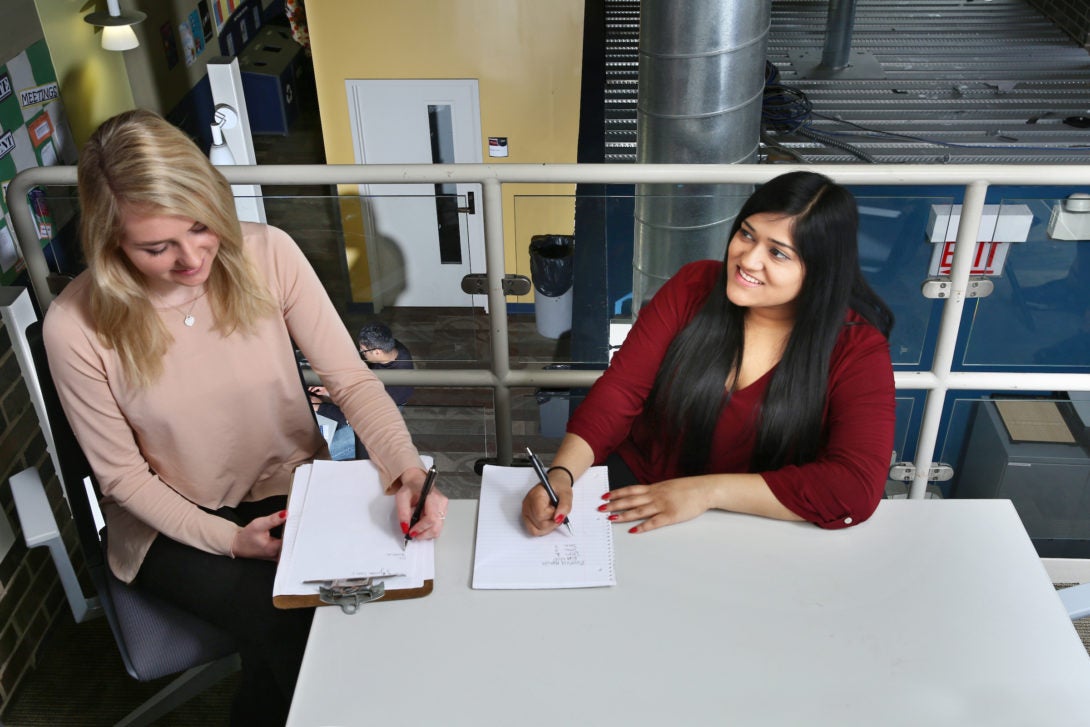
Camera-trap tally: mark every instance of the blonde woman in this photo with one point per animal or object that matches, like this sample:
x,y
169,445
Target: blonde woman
x,y
182,309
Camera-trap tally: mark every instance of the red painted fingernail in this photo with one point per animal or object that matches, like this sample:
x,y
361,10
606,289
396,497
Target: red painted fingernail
x,y
613,517
606,496
559,518
404,528
413,534
602,508
632,530
283,514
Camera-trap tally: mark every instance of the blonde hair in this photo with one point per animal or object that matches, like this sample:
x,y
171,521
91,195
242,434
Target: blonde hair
x,y
138,159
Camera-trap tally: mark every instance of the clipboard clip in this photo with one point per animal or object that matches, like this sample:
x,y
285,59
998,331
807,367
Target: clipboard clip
x,y
351,593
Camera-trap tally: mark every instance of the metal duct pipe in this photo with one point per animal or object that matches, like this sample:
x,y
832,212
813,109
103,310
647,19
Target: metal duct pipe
x,y
838,34
701,82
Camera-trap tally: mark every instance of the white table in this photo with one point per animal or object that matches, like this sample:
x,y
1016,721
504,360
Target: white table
x,y
931,613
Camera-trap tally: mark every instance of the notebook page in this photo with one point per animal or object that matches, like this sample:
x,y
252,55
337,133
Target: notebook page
x,y
507,556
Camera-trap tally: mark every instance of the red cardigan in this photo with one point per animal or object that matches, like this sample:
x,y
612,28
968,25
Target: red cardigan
x,y
840,488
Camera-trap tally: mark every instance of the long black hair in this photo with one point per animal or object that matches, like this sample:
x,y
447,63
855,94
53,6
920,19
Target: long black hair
x,y
688,394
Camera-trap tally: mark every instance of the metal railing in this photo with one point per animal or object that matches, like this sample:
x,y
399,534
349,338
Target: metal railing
x,y
937,382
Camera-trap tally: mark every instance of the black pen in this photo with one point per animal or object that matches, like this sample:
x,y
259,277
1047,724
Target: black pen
x,y
419,510
544,477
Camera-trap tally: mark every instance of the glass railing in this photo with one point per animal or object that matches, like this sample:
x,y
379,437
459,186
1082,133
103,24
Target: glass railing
x,y
979,321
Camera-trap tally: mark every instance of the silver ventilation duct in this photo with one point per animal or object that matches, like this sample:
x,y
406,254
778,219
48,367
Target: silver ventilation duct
x,y
838,34
701,81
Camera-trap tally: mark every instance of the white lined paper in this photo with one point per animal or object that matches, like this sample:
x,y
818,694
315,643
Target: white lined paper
x,y
508,557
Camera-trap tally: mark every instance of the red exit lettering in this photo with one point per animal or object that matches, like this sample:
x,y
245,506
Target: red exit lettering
x,y
983,260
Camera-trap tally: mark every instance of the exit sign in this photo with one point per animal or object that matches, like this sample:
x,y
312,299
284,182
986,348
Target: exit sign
x,y
1000,225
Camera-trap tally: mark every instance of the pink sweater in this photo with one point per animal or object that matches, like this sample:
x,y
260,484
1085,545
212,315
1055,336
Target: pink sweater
x,y
228,419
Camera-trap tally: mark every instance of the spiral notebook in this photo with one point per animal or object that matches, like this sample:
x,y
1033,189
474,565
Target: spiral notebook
x,y
507,557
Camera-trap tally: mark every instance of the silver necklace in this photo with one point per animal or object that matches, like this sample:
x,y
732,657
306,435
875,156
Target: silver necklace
x,y
188,318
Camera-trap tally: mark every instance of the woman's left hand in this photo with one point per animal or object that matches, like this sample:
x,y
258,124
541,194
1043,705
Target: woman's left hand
x,y
665,503
435,507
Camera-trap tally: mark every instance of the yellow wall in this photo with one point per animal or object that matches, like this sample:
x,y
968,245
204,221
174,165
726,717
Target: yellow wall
x,y
525,54
93,82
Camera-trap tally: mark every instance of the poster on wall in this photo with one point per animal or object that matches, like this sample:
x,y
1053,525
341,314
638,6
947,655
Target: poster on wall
x,y
222,9
33,132
196,32
206,20
189,48
170,45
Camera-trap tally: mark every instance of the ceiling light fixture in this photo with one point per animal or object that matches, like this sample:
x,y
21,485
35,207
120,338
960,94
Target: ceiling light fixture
x,y
117,32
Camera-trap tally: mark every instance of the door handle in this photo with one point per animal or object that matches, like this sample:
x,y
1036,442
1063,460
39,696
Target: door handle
x,y
470,208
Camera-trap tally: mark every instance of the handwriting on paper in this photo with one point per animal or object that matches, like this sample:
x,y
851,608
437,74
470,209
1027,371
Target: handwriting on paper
x,y
565,555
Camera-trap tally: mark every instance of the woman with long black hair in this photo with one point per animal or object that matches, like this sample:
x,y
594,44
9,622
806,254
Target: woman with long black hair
x,y
761,384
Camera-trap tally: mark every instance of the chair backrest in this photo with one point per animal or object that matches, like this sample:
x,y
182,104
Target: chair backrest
x,y
155,638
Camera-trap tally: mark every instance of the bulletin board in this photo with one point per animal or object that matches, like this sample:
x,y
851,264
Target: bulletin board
x,y
33,132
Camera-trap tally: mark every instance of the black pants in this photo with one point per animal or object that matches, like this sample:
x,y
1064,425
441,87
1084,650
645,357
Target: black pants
x,y
235,594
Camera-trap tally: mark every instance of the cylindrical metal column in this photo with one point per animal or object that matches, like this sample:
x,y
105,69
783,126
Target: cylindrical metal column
x,y
838,34
701,85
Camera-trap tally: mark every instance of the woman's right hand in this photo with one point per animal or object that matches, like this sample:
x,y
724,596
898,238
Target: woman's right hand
x,y
538,513
254,541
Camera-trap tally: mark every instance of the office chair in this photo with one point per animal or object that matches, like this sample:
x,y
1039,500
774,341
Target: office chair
x,y
155,638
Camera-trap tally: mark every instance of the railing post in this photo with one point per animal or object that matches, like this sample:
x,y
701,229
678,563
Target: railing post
x,y
492,191
968,226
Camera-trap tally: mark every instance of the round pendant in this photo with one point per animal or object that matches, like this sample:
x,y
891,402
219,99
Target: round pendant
x,y
190,320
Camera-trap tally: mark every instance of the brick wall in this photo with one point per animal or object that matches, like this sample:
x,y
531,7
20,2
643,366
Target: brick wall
x,y
1073,16
31,597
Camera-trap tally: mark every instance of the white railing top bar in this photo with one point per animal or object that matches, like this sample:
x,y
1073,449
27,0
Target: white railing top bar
x,y
876,174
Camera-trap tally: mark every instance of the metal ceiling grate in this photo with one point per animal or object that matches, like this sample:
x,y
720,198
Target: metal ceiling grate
x,y
931,81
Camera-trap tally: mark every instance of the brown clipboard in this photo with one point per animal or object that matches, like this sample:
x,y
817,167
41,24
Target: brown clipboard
x,y
397,594
297,600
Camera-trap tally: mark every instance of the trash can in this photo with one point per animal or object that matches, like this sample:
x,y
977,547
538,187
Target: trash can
x,y
554,408
552,272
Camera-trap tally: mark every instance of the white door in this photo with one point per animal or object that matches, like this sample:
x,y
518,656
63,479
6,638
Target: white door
x,y
421,241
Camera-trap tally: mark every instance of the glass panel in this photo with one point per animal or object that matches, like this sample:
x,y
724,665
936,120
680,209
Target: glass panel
x,y
1034,451
548,325
314,223
457,427
386,277
1038,316
55,214
446,195
895,255
903,449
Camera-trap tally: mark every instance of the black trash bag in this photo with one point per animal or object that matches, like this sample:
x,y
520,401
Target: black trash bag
x,y
551,264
